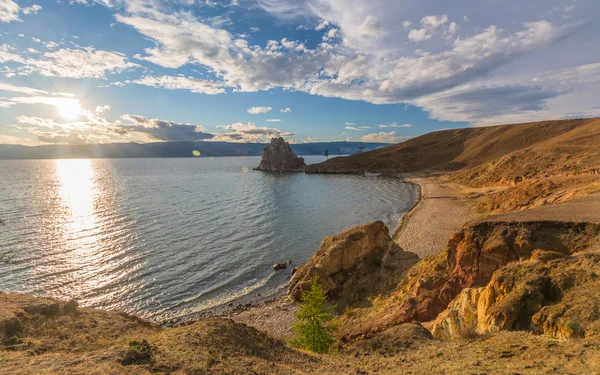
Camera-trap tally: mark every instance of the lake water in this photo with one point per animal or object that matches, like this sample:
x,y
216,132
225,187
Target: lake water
x,y
169,238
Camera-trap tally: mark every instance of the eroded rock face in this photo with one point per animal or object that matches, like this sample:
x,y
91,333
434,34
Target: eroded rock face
x,y
470,260
353,264
556,296
279,157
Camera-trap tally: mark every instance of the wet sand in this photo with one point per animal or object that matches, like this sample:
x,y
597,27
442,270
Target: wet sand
x,y
439,213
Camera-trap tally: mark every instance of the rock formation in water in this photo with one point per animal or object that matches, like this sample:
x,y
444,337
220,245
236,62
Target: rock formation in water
x,y
353,264
279,157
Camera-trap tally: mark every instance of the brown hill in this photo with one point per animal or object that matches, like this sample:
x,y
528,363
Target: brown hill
x,y
451,150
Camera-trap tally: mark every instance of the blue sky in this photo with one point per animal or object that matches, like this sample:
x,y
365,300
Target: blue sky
x,y
95,71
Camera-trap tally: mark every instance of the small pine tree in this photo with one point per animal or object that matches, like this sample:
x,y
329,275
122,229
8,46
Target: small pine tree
x,y
313,328
326,154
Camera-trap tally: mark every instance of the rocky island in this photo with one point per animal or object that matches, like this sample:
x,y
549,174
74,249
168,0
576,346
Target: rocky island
x,y
495,271
279,157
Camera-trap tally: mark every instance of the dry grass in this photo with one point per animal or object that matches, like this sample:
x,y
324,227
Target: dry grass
x,y
97,342
451,150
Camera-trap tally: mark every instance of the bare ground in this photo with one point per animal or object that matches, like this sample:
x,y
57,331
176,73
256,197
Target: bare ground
x,y
440,212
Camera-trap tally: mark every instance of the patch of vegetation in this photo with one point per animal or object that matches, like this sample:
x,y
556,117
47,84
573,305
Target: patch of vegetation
x,y
313,326
138,352
11,341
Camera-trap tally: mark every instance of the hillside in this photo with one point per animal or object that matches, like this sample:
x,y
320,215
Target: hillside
x,y
451,150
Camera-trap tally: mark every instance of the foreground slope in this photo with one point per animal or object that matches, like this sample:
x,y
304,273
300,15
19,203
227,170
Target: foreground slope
x,y
59,338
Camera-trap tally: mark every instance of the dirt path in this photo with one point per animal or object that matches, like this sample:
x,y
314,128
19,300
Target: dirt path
x,y
439,213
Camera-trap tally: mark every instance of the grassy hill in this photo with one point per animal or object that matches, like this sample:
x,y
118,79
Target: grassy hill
x,y
452,150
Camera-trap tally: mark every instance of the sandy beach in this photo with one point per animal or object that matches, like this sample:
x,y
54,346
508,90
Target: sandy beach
x,y
439,213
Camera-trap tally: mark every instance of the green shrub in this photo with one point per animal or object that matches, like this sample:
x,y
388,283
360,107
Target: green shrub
x,y
313,320
138,351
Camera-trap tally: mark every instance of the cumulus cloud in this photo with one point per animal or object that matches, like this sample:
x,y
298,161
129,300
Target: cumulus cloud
x,y
383,137
164,130
259,110
359,56
9,11
240,132
285,110
181,83
71,63
32,9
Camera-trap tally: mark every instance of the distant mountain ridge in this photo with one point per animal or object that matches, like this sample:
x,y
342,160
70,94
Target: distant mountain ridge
x,y
174,149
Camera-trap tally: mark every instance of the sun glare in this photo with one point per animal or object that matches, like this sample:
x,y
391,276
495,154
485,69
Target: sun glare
x,y
69,109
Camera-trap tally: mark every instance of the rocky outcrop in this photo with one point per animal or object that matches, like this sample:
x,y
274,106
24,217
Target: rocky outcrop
x,y
556,296
279,157
471,258
354,264
17,310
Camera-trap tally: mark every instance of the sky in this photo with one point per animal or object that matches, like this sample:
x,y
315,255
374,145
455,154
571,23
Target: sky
x,y
99,71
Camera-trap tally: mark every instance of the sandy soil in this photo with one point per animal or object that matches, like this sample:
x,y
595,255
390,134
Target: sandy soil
x,y
276,318
440,212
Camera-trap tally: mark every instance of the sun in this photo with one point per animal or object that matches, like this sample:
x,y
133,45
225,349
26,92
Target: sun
x,y
69,110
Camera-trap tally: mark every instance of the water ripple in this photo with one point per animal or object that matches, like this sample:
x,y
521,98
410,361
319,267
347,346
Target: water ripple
x,y
169,238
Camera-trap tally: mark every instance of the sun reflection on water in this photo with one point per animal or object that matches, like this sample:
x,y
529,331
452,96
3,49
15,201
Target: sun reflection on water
x,y
77,193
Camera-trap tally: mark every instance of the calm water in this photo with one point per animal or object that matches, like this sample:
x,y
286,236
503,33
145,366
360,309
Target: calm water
x,y
168,238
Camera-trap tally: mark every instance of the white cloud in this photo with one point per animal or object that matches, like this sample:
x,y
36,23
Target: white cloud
x,y
9,11
362,55
72,63
273,120
102,108
430,24
21,89
322,25
32,9
371,27
433,22
259,110
249,132
181,83
285,110
383,137
417,35
394,125
59,102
